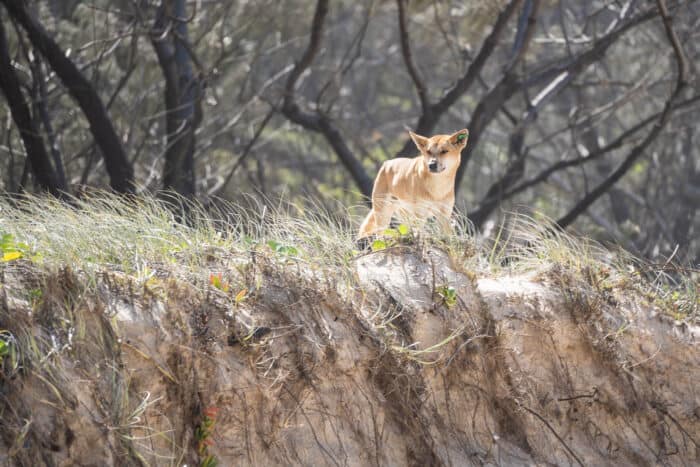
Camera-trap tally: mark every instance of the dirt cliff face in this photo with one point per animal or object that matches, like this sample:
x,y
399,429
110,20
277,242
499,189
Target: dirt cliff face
x,y
419,364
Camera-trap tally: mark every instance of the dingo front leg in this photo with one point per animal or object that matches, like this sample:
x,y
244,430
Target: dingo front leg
x,y
443,218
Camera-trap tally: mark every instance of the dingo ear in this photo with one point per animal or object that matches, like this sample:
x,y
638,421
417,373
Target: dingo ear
x,y
460,138
421,141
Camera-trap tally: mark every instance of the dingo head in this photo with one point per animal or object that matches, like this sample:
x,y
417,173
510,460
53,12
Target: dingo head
x,y
441,152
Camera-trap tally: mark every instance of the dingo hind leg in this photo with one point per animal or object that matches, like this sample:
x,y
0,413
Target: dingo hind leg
x,y
443,217
378,218
367,226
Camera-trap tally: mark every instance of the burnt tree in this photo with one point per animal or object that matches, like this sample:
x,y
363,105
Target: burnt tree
x,y
183,92
119,168
44,173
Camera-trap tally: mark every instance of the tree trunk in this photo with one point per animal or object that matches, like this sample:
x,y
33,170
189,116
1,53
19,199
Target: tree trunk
x,y
43,171
40,98
182,97
120,171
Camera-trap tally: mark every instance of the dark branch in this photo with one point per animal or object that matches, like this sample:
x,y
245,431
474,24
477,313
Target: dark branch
x,y
37,156
247,149
118,167
40,106
591,55
428,120
681,60
524,32
488,107
408,60
309,53
500,189
317,121
640,149
495,194
596,154
351,56
514,171
474,70
182,96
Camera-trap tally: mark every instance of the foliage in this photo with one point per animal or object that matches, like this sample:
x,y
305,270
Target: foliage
x,y
241,296
10,249
392,237
203,434
5,346
448,294
218,282
135,235
9,361
281,249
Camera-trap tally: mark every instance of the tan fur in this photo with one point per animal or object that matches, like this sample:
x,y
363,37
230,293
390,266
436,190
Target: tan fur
x,y
405,186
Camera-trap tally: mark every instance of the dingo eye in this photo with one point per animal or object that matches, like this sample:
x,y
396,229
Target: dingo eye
x,y
444,151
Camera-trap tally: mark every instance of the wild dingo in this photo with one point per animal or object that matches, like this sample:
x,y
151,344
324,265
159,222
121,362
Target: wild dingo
x,y
419,187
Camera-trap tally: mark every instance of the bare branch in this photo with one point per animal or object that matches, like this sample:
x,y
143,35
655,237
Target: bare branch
x,y
120,171
516,168
408,60
524,32
615,144
309,53
640,149
474,70
499,190
40,105
353,53
183,93
507,86
681,60
589,56
34,145
247,149
428,120
317,121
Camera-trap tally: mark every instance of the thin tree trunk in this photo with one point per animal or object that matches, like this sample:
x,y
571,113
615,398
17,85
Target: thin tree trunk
x,y
182,97
120,171
41,109
39,161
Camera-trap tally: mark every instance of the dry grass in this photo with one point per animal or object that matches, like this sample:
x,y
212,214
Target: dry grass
x,y
106,232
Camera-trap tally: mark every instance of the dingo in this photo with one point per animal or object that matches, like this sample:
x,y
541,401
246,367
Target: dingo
x,y
420,187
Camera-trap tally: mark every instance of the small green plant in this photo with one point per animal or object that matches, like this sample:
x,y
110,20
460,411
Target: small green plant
x,y
218,282
8,350
680,304
10,249
379,245
448,294
35,296
281,249
403,230
241,296
391,237
203,435
4,348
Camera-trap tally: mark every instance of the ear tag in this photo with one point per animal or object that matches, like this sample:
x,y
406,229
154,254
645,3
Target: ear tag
x,y
461,137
